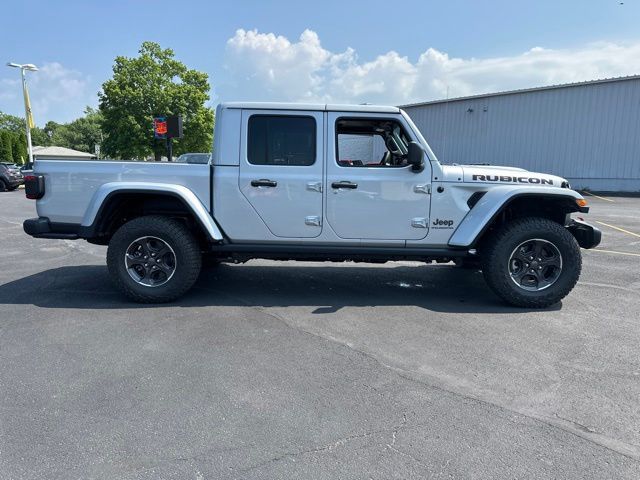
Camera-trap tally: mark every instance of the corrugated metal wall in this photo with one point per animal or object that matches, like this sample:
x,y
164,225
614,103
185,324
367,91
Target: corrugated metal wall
x,y
588,133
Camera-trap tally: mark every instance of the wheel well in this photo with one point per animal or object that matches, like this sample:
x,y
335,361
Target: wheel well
x,y
120,207
551,207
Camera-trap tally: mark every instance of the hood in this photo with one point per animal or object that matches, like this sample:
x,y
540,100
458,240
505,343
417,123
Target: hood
x,y
509,175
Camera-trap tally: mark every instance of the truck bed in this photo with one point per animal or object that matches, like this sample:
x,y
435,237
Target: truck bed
x,y
71,184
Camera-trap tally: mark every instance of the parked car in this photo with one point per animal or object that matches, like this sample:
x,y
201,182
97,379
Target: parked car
x,y
10,177
11,166
316,182
194,158
26,168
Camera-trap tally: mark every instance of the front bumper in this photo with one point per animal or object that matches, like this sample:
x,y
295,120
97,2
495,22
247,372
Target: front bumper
x,y
587,235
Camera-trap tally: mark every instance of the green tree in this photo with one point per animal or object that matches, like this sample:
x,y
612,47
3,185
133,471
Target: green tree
x,y
11,122
39,137
153,84
6,151
19,147
16,125
198,135
50,129
81,134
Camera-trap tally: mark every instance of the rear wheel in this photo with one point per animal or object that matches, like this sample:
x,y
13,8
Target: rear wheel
x,y
153,259
532,262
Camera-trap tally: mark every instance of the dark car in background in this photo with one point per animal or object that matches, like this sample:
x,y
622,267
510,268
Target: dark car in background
x,y
10,177
198,158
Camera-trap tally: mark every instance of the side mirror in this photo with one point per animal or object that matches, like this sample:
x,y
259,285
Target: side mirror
x,y
415,157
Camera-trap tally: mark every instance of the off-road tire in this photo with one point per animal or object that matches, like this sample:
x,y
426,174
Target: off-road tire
x,y
175,234
497,250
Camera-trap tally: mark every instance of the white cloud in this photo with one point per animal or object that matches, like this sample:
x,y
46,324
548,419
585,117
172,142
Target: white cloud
x,y
265,66
8,88
275,62
56,92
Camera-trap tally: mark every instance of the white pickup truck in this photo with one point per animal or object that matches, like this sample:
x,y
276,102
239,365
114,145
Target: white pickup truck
x,y
315,182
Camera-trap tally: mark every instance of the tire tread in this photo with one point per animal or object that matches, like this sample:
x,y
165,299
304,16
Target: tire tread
x,y
190,264
499,281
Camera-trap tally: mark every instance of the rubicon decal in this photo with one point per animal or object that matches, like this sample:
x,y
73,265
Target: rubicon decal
x,y
510,179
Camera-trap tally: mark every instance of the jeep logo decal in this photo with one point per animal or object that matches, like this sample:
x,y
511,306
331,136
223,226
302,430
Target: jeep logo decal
x,y
437,223
509,179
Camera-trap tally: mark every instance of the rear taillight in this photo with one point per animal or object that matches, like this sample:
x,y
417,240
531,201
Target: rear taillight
x,y
34,186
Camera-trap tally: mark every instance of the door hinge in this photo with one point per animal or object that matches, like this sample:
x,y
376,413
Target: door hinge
x,y
313,221
426,188
314,186
419,222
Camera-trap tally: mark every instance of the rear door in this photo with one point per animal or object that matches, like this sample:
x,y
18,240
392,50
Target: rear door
x,y
281,169
371,193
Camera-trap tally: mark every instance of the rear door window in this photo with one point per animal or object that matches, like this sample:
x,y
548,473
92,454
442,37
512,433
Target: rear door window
x,y
281,140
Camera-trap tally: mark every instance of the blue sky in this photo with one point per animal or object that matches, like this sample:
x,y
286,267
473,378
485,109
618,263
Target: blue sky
x,y
340,51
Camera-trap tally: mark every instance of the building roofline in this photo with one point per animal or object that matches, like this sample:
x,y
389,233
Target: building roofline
x,y
57,151
524,90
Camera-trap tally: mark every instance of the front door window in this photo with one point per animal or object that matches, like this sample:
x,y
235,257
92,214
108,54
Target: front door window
x,y
371,143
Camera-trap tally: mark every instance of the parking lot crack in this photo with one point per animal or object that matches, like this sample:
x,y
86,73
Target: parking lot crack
x,y
342,441
614,445
408,455
619,447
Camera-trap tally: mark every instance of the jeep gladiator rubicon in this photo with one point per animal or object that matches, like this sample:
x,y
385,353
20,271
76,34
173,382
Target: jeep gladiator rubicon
x,y
315,182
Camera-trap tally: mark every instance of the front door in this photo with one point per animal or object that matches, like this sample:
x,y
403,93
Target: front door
x,y
281,165
371,192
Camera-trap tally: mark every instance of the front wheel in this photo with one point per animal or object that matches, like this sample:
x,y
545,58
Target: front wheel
x,y
153,259
532,262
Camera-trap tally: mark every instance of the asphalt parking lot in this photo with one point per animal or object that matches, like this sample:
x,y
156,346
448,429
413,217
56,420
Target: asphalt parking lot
x,y
291,370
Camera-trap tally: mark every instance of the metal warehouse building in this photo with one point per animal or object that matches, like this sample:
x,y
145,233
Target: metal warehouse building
x,y
587,132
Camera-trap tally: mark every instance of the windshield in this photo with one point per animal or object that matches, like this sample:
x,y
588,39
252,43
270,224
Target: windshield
x,y
199,158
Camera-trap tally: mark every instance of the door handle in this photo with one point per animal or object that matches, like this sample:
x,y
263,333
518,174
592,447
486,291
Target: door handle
x,y
344,184
264,182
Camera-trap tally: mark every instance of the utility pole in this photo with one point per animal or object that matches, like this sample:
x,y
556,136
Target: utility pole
x,y
28,116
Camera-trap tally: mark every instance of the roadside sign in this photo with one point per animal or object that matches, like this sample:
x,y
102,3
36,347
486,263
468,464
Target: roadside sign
x,y
168,128
174,126
160,127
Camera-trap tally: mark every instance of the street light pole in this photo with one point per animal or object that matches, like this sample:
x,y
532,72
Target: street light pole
x,y
27,107
26,117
